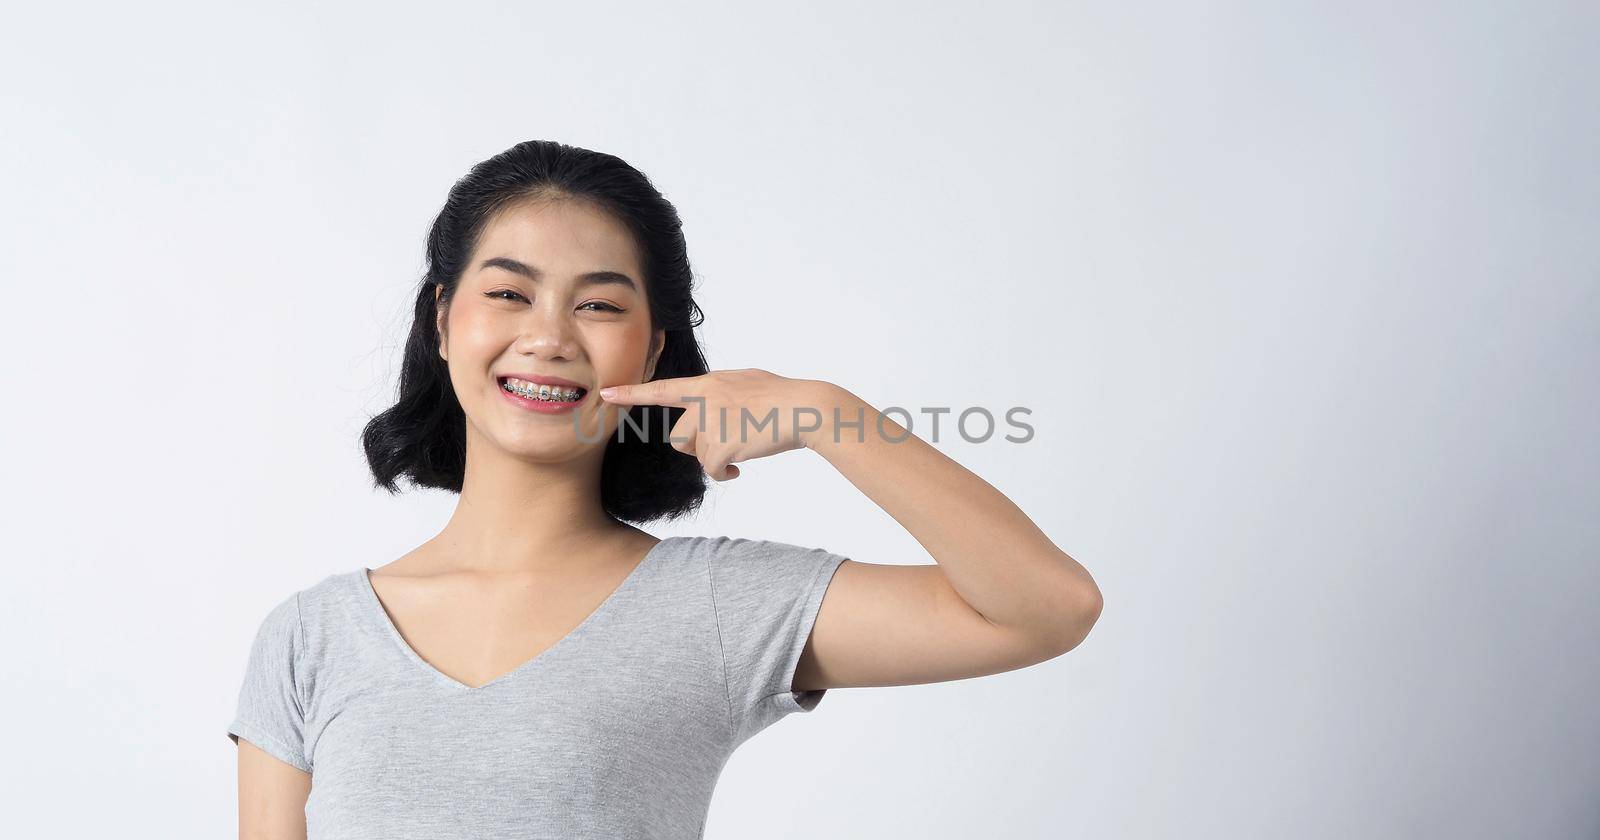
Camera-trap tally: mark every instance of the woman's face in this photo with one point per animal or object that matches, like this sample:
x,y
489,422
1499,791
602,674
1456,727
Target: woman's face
x,y
555,288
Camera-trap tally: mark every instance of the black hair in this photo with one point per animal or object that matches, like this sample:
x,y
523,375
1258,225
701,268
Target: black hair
x,y
422,437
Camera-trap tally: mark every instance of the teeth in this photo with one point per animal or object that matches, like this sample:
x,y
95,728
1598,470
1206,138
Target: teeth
x,y
550,393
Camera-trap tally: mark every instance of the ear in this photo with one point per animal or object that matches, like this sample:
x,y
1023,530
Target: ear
x,y
439,319
658,342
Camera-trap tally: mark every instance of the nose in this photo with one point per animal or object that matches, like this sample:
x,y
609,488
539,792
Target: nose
x,y
547,333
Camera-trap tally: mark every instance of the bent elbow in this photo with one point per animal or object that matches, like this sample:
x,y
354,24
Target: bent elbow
x,y
1082,616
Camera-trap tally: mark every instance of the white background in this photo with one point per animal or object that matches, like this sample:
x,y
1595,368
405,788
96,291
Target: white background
x,y
1303,299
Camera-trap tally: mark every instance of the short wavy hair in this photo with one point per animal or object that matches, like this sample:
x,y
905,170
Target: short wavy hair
x,y
422,437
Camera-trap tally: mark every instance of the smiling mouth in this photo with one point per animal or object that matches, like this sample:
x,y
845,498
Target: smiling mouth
x,y
542,393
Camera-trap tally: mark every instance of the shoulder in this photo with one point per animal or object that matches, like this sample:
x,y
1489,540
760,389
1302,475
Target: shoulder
x,y
750,548
332,588
724,550
282,620
743,563
296,618
758,550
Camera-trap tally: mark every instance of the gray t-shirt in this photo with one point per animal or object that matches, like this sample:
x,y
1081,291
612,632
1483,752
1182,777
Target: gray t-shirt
x,y
618,730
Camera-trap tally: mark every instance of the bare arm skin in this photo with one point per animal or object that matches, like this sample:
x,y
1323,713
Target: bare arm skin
x,y
272,796
1001,596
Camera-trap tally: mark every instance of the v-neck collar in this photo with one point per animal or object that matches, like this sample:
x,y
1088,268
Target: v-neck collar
x,y
375,609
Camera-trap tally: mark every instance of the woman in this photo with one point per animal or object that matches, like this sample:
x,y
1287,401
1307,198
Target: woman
x,y
542,669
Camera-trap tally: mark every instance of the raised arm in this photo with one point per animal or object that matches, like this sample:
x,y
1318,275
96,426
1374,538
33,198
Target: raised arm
x,y
1001,595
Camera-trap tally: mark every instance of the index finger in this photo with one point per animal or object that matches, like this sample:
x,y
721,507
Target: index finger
x,y
670,391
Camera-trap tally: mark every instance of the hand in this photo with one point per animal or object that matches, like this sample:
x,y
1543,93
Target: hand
x,y
714,427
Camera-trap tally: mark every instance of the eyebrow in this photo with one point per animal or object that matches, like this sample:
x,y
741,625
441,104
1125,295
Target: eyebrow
x,y
528,271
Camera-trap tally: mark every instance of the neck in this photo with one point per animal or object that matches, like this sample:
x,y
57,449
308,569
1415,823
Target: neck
x,y
519,515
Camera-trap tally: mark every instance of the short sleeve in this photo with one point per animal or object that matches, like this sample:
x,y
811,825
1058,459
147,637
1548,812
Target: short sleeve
x,y
271,709
766,597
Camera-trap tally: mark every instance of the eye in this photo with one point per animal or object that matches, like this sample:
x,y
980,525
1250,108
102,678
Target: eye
x,y
606,307
496,294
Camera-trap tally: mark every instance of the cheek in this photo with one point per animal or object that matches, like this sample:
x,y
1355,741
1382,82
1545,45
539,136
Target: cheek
x,y
475,331
620,355
470,319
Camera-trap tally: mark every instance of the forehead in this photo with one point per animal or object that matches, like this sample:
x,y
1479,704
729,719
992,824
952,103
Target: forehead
x,y
561,237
